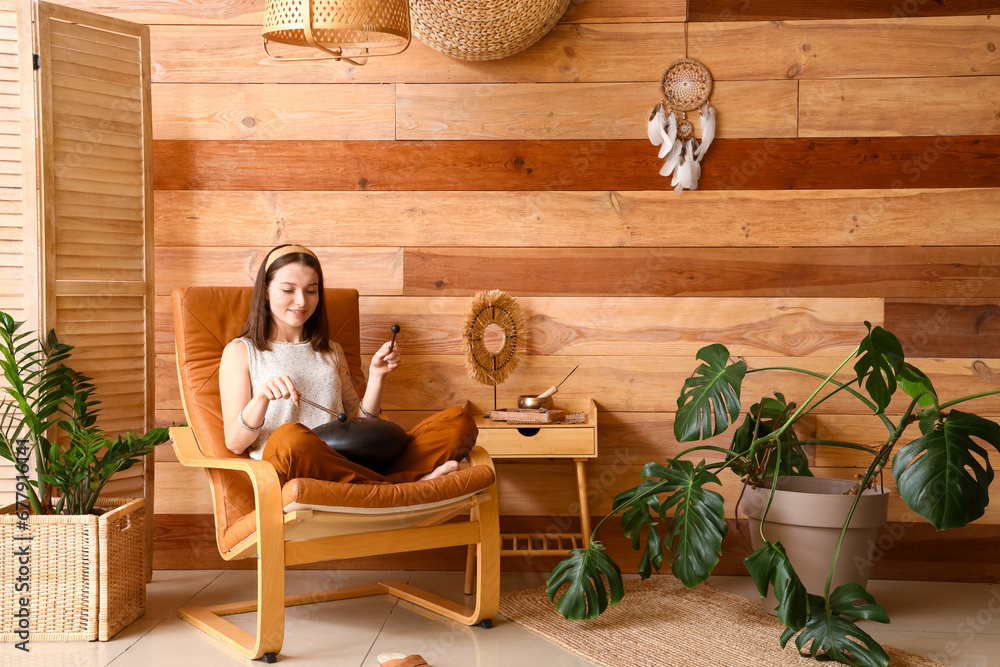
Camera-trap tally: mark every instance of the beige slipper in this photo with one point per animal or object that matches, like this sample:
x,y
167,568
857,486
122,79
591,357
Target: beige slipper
x,y
400,660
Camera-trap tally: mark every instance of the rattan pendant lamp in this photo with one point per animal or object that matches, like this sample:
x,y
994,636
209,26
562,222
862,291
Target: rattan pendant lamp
x,y
348,30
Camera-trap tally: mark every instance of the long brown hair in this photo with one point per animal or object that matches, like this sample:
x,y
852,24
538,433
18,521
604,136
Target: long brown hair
x,y
258,327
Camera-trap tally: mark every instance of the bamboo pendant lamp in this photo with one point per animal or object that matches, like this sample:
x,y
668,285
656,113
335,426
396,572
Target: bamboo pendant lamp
x,y
349,30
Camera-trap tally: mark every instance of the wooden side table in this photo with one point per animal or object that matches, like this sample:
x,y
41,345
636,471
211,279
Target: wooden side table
x,y
545,441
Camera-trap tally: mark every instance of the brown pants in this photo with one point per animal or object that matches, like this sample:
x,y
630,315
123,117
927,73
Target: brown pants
x,y
296,452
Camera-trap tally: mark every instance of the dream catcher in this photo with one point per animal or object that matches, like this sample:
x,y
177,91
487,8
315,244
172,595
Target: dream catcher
x,y
500,310
685,86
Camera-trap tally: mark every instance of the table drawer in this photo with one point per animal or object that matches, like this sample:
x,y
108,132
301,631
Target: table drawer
x,y
546,441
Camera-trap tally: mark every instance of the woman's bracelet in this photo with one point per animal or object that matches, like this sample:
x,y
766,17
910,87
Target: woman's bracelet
x,y
368,414
244,424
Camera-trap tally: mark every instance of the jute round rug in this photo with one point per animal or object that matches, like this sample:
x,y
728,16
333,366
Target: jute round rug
x,y
660,623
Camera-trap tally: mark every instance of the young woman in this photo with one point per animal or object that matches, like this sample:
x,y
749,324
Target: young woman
x,y
283,353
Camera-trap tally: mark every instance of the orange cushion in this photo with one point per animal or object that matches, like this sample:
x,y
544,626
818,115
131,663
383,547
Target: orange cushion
x,y
369,496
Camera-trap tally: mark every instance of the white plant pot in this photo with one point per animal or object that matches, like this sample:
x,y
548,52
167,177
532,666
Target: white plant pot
x,y
806,516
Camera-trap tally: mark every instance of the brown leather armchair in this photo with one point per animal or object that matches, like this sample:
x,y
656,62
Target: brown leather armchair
x,y
309,520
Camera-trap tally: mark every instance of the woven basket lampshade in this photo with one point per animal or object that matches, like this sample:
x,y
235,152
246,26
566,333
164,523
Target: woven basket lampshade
x,y
349,30
484,29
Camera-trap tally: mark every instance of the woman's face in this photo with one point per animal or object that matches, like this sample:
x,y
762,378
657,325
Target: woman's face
x,y
293,296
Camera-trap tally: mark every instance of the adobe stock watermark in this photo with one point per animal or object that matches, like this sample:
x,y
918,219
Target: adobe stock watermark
x,y
884,542
954,652
21,547
900,12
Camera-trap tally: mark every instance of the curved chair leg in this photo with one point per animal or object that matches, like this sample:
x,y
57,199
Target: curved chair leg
x,y
270,603
488,572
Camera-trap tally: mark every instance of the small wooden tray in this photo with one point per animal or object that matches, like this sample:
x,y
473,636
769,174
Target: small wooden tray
x,y
541,416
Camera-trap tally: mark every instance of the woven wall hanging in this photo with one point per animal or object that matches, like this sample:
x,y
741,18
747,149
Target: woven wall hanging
x,y
503,310
483,29
685,86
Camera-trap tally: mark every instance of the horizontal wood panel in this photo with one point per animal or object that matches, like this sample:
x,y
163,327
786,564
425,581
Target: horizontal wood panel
x,y
581,110
250,12
868,431
182,490
272,111
785,10
958,327
629,383
636,326
369,270
593,52
581,52
588,11
556,219
617,326
731,164
883,107
847,49
617,272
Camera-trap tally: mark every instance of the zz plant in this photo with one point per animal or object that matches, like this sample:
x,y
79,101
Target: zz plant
x,y
943,475
45,396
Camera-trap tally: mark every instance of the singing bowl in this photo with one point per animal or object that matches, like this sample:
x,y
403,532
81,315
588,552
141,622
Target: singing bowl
x,y
373,443
533,402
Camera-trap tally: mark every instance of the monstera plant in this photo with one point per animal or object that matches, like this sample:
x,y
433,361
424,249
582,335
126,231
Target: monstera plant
x,y
674,516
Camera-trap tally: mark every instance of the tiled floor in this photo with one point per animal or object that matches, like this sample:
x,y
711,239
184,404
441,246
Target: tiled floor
x,y
956,624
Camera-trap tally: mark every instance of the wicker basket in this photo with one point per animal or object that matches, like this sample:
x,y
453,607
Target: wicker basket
x,y
87,573
483,29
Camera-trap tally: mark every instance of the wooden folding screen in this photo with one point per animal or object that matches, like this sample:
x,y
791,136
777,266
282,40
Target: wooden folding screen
x,y
94,275
19,256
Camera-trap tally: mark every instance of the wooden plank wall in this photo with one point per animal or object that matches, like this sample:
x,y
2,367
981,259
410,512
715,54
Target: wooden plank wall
x,y
856,176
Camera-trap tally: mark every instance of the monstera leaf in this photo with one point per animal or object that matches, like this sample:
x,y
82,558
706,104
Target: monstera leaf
x,y
696,529
642,506
828,636
585,570
881,358
915,383
769,566
710,398
944,475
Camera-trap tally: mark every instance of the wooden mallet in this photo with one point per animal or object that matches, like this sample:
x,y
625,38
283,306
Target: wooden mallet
x,y
551,390
395,330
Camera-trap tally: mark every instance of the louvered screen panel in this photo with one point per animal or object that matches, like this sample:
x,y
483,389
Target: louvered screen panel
x,y
18,191
96,152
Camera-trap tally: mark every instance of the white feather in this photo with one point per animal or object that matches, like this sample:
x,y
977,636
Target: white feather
x,y
695,166
669,134
683,177
688,169
654,130
672,158
707,131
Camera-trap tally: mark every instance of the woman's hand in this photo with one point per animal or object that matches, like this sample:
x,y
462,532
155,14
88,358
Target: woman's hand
x,y
280,387
384,361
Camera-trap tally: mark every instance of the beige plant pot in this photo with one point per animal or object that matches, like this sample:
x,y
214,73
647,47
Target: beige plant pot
x,y
806,516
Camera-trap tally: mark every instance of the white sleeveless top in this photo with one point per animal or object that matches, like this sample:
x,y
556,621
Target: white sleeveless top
x,y
322,377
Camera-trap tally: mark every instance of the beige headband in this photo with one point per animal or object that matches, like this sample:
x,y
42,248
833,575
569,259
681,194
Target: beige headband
x,y
286,250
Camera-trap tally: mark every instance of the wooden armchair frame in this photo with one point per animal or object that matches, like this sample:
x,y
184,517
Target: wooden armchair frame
x,y
282,539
